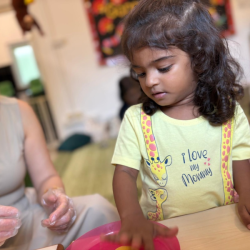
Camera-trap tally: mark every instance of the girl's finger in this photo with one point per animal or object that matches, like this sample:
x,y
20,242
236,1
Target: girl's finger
x,y
148,243
124,239
244,214
136,242
236,197
110,237
165,231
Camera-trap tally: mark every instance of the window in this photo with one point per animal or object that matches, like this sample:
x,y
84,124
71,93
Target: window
x,y
25,68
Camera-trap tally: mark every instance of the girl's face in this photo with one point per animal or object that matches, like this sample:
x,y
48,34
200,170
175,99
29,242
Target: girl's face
x,y
165,76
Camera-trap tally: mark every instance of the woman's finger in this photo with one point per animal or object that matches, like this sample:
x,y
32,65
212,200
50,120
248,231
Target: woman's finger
x,y
6,235
7,225
49,199
2,242
61,209
58,228
63,224
10,212
68,218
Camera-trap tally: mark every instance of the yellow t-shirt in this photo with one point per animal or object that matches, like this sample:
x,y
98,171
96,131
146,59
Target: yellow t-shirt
x,y
185,165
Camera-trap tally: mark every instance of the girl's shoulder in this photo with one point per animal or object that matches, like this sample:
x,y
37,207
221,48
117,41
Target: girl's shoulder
x,y
239,115
134,111
238,110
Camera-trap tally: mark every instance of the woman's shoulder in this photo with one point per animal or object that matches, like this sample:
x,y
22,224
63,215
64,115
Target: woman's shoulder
x,y
4,100
12,101
9,106
24,107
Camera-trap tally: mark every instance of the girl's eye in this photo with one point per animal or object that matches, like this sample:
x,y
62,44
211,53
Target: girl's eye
x,y
166,69
162,70
140,75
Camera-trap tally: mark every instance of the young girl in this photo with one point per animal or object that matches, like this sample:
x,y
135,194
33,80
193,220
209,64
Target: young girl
x,y
189,138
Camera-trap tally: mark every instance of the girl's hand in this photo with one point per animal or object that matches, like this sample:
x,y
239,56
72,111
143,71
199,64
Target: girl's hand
x,y
236,197
10,222
60,208
137,231
244,209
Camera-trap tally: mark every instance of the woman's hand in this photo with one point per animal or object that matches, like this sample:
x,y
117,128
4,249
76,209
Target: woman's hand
x,y
137,231
60,208
10,222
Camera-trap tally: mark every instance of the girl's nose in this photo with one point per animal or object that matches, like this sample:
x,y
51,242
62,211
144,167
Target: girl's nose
x,y
151,80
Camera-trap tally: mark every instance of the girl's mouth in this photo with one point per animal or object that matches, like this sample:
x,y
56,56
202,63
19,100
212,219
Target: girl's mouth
x,y
159,95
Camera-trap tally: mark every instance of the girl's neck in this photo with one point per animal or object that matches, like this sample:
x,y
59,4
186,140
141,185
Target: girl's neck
x,y
181,112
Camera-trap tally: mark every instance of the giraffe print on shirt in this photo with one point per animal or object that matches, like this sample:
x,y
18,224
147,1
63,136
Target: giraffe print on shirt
x,y
159,195
226,147
157,167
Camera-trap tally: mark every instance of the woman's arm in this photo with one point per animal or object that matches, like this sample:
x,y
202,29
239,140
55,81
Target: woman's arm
x,y
40,167
48,184
241,175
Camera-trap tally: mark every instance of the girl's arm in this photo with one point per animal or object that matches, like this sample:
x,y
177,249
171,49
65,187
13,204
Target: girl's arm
x,y
136,230
241,174
125,192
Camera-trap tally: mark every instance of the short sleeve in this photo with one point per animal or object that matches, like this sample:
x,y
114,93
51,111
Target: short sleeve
x,y
241,136
127,150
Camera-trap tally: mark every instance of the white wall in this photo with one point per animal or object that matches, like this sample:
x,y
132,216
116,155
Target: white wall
x,y
9,33
75,82
240,42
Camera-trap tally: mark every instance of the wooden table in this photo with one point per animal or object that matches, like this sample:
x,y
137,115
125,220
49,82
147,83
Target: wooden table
x,y
215,229
55,247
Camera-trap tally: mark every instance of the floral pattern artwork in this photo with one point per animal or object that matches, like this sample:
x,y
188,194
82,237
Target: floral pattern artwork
x,y
105,19
222,15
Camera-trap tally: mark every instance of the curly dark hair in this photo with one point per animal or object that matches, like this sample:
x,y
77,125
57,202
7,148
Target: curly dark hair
x,y
187,25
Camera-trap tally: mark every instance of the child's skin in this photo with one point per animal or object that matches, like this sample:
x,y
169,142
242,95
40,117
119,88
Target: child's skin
x,y
165,76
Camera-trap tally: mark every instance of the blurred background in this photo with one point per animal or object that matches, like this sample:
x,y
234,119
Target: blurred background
x,y
63,57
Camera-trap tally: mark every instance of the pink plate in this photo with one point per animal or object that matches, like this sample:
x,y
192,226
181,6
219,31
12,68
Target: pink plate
x,y
91,240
